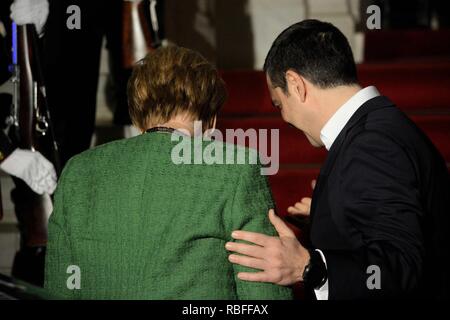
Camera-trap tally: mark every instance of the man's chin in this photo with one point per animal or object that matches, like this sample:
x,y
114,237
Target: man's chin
x,y
313,142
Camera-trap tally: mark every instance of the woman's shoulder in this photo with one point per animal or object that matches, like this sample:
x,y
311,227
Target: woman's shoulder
x,y
101,156
123,147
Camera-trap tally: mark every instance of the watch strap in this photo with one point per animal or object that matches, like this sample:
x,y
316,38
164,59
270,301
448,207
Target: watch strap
x,y
315,272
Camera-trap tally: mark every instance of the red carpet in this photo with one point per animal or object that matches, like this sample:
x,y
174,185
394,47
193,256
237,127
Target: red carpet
x,y
394,45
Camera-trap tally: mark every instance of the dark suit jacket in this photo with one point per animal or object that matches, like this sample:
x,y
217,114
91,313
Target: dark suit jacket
x,y
382,198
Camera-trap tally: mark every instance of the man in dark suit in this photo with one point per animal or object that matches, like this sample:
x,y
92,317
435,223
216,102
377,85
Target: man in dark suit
x,y
380,208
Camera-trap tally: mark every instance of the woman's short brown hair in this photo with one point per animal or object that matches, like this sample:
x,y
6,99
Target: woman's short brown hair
x,y
174,80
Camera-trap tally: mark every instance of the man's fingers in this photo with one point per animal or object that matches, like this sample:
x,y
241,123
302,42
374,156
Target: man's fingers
x,y
306,201
280,226
246,249
295,211
313,183
247,261
254,276
304,208
301,208
298,211
253,237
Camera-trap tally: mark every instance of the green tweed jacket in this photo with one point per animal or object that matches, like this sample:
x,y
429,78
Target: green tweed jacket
x,y
139,226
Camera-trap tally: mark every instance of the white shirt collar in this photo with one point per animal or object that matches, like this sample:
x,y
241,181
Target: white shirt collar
x,y
338,121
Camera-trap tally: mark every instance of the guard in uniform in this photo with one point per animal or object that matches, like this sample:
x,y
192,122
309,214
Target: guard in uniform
x,y
34,176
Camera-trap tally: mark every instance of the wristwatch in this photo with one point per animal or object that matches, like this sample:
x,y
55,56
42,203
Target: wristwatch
x,y
315,272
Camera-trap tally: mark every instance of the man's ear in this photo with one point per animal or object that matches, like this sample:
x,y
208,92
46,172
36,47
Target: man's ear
x,y
296,84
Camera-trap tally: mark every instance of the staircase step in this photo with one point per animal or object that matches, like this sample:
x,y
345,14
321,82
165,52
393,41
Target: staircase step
x,y
295,148
382,45
293,145
415,86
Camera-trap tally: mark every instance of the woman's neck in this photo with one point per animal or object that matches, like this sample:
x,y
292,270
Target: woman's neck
x,y
180,122
184,123
179,125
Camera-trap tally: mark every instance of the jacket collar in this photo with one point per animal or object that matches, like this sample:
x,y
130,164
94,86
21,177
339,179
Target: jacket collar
x,y
337,122
371,105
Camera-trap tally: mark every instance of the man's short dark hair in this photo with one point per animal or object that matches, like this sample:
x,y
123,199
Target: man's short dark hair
x,y
316,50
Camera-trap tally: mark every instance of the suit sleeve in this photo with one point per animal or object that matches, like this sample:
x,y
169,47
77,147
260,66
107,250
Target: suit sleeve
x,y
251,203
378,205
59,249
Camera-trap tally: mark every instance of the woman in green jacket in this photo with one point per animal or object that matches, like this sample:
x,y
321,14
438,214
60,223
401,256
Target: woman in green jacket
x,y
133,221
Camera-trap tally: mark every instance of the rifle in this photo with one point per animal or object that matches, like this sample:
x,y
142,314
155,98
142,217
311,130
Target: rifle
x,y
137,38
31,126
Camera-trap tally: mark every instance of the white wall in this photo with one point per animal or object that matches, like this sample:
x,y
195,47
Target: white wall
x,y
239,33
269,18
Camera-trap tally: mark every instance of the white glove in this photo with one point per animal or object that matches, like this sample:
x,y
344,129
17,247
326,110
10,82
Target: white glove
x,y
30,11
33,168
